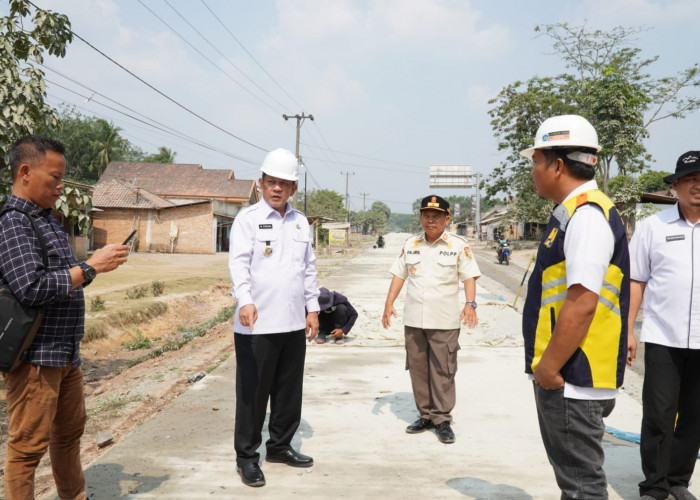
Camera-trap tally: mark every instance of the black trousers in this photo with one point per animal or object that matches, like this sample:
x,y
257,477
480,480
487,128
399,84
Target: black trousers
x,y
268,367
327,322
669,448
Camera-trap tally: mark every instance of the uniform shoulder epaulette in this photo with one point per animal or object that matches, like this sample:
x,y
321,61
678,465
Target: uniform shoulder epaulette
x,y
458,236
413,237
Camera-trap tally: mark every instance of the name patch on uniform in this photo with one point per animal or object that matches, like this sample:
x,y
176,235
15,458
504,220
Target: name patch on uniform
x,y
264,226
449,254
675,237
413,252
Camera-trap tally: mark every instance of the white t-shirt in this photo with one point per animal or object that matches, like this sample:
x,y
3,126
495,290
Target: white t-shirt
x,y
665,254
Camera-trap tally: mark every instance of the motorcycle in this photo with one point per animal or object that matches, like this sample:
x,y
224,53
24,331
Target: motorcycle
x,y
503,252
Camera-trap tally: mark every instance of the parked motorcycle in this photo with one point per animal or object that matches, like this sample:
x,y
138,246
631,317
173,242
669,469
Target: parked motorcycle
x,y
503,252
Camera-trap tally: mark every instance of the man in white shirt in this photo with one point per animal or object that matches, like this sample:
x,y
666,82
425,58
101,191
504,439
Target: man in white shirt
x,y
272,268
575,314
666,275
436,264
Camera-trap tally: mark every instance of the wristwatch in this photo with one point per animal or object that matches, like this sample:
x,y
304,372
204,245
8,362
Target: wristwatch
x,y
89,273
471,303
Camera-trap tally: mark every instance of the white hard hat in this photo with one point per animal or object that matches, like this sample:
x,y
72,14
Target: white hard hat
x,y
566,131
281,163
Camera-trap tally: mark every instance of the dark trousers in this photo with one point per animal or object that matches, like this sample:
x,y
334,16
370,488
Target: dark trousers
x,y
669,447
431,361
572,433
268,367
327,322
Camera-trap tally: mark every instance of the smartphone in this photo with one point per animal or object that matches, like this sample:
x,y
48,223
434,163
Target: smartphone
x,y
128,238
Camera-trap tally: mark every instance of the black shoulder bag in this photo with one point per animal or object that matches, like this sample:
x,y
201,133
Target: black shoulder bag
x,y
18,322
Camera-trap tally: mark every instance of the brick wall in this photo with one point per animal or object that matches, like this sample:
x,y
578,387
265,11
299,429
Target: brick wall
x,y
194,222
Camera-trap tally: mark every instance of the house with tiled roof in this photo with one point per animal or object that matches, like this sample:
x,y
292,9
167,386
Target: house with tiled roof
x,y
176,207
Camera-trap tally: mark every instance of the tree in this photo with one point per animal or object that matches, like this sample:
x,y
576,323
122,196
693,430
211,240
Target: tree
x,y
324,203
374,220
164,155
22,87
83,137
107,145
608,84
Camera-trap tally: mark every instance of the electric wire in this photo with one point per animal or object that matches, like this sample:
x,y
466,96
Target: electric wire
x,y
174,132
251,55
182,106
222,54
205,56
240,158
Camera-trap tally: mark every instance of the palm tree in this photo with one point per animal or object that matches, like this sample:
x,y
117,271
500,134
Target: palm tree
x,y
164,155
108,140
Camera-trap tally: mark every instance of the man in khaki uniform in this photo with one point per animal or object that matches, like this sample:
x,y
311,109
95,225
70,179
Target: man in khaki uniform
x,y
435,263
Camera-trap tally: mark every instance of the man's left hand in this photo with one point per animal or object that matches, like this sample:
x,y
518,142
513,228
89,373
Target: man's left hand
x,y
468,316
312,325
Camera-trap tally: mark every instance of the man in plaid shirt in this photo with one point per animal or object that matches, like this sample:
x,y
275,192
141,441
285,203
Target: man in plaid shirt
x,y
45,402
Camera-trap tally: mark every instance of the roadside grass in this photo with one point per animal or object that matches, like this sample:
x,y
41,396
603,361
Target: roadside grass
x,y
111,406
193,332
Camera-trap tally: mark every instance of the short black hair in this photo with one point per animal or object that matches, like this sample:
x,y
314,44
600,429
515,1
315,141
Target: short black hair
x,y
578,169
32,149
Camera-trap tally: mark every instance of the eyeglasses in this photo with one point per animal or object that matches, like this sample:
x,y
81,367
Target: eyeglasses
x,y
283,184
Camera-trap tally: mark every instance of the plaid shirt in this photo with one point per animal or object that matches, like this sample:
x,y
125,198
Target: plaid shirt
x,y
57,342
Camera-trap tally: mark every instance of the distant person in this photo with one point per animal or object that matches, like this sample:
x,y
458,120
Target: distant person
x,y
666,274
45,401
436,264
273,272
380,241
336,318
575,314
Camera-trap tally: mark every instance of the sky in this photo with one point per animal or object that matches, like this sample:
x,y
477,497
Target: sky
x,y
394,85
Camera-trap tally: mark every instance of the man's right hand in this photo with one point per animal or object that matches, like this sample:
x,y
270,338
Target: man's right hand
x,y
248,315
108,258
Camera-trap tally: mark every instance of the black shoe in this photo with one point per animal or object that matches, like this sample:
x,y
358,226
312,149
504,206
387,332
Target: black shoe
x,y
291,458
251,474
444,432
420,425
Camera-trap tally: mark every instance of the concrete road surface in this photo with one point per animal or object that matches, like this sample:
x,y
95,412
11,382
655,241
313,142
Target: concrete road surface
x,y
357,403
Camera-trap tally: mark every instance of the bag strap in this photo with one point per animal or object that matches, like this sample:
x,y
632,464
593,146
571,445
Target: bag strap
x,y
38,234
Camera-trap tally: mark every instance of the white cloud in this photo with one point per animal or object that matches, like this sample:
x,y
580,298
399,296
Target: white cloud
x,y
639,12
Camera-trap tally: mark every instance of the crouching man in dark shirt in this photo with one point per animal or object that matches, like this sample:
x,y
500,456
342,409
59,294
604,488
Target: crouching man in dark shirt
x,y
336,318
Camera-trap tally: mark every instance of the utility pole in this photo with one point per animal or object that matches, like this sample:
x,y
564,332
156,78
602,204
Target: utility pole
x,y
364,197
300,119
347,213
477,218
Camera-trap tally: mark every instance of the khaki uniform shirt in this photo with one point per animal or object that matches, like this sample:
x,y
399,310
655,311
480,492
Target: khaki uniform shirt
x,y
435,275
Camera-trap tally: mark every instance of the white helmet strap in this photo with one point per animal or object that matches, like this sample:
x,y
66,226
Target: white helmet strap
x,y
586,158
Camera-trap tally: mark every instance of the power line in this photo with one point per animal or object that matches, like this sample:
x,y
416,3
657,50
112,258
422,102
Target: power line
x,y
221,54
182,106
204,55
173,132
251,55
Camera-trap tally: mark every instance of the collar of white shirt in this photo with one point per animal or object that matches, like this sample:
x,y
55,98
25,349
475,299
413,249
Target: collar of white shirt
x,y
586,186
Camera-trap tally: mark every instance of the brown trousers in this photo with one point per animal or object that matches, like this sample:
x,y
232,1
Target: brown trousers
x,y
46,408
431,360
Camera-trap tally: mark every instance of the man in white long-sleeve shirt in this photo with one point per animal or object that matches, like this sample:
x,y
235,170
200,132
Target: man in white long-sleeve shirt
x,y
273,272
